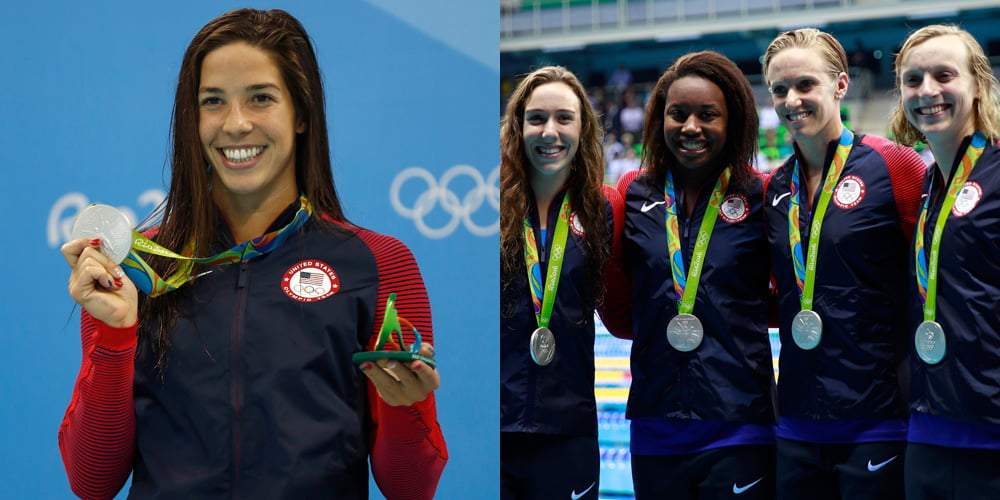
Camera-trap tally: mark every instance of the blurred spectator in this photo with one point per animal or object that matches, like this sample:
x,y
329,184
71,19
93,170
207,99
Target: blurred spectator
x,y
624,162
612,148
621,78
632,115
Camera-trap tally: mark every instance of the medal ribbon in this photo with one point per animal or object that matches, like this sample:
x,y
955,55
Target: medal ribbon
x,y
543,300
805,275
686,282
147,280
927,275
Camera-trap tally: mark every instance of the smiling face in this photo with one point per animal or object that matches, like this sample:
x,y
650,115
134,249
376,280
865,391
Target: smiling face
x,y
247,125
937,89
694,122
552,125
806,94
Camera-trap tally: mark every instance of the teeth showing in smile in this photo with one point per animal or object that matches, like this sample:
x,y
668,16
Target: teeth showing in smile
x,y
239,155
794,117
550,150
692,145
930,110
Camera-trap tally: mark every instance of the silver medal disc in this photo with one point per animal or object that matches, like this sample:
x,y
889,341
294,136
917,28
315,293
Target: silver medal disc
x,y
807,329
543,346
685,333
110,225
930,342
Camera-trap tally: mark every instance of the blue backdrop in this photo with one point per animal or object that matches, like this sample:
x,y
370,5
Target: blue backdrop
x,y
87,94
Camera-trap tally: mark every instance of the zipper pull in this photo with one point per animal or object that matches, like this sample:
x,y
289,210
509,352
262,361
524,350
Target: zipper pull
x,y
241,281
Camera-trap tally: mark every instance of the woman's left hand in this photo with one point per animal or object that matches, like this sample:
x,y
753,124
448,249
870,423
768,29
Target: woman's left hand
x,y
402,384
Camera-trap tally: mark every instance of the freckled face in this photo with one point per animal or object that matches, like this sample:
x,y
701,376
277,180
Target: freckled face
x,y
695,117
937,89
552,127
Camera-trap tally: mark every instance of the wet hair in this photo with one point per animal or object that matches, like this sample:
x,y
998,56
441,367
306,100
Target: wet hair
x,y
586,179
987,107
741,145
188,214
808,38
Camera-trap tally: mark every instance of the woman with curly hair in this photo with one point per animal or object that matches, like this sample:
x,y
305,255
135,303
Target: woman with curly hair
x,y
556,231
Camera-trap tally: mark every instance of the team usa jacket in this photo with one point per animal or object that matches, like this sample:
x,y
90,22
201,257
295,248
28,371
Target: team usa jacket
x,y
557,398
849,388
956,402
727,382
259,398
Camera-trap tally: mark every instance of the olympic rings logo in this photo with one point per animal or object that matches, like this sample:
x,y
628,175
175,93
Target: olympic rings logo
x,y
461,211
309,290
63,213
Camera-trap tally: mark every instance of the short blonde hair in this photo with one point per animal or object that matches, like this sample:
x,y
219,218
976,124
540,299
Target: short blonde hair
x,y
986,111
808,38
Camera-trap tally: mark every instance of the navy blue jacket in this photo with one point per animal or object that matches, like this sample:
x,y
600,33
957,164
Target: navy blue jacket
x,y
861,273
260,398
557,398
965,385
729,377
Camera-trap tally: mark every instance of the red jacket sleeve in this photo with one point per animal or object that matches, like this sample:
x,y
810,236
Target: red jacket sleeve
x,y
616,308
408,451
97,435
906,172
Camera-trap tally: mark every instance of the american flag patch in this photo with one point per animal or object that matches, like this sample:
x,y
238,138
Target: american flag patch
x,y
311,278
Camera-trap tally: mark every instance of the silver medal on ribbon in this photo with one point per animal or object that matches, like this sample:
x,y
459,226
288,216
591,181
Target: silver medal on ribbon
x,y
807,329
543,346
930,342
685,333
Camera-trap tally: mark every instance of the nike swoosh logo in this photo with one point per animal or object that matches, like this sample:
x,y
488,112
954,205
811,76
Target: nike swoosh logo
x,y
577,496
876,467
740,489
778,198
647,207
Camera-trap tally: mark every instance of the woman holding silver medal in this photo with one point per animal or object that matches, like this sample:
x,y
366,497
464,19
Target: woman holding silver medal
x,y
222,380
701,400
948,97
556,231
840,213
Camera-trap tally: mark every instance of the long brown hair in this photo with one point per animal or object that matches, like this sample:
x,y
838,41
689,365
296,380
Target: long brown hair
x,y
586,179
188,214
741,127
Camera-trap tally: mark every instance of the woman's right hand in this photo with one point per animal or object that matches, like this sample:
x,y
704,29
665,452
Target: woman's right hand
x,y
99,285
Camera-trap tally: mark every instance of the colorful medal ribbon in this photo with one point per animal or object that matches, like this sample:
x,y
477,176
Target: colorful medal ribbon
x,y
147,280
927,276
543,300
805,276
686,282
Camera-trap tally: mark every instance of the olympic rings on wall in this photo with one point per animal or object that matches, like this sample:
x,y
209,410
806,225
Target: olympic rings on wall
x,y
438,193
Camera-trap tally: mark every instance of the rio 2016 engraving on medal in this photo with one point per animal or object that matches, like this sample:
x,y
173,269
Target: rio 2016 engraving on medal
x,y
110,225
807,329
685,333
930,342
543,346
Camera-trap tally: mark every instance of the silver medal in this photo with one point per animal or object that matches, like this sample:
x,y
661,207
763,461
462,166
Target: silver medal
x,y
930,342
543,346
685,333
110,225
807,329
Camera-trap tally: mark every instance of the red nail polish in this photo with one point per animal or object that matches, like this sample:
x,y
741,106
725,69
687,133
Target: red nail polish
x,y
118,283
416,365
95,242
367,365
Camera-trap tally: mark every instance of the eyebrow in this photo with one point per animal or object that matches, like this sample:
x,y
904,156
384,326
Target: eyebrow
x,y
250,88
